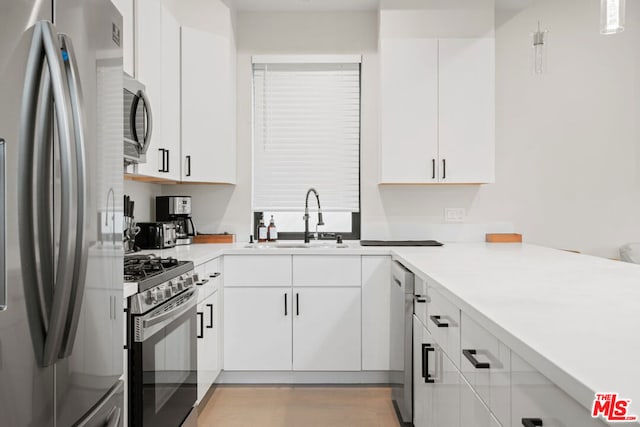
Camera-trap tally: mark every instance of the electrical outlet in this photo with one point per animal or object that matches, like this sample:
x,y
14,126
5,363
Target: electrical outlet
x,y
454,214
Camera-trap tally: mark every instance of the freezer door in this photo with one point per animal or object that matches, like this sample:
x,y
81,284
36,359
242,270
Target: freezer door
x,y
26,389
109,412
91,355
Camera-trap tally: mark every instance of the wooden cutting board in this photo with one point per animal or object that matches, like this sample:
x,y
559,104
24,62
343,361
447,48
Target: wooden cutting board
x,y
214,238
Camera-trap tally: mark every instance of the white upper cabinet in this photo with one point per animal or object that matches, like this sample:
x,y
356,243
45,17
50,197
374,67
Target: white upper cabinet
x,y
208,111
437,110
125,7
467,110
148,59
409,110
170,125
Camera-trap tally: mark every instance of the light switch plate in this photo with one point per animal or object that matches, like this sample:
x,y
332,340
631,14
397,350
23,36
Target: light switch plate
x,y
454,214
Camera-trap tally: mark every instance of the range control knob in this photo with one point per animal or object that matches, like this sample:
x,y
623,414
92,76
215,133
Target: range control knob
x,y
179,285
168,292
159,295
148,297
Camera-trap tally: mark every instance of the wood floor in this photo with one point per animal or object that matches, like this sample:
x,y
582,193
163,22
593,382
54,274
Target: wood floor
x,y
284,406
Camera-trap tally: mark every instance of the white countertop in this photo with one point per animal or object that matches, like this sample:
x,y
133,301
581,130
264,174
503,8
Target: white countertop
x,y
573,317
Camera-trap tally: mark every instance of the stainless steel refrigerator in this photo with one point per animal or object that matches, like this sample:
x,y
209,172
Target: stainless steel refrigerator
x,y
61,315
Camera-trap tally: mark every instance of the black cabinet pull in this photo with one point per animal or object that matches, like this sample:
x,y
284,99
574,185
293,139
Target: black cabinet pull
x,y
166,152
426,348
285,304
214,275
531,422
444,168
433,168
188,166
210,316
420,298
201,321
297,305
439,324
163,168
470,355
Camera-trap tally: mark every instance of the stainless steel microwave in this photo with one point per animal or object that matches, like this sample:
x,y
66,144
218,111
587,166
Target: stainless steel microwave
x,y
138,121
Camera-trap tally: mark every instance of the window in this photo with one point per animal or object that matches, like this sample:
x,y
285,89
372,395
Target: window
x,y
306,134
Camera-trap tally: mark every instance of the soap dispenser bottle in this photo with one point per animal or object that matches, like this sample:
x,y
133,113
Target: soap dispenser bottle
x,y
262,231
272,231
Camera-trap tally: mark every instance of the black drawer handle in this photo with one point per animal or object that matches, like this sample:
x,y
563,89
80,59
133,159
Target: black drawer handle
x,y
531,422
285,304
202,282
439,324
210,326
297,305
470,355
420,298
214,275
426,348
201,321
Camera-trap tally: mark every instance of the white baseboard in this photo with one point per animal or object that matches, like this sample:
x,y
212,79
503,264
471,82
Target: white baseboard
x,y
306,377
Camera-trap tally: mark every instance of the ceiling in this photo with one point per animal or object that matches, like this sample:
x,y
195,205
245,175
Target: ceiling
x,y
345,5
302,5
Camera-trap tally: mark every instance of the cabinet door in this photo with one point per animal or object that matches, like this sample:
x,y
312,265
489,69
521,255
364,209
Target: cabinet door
x,y
467,110
534,396
409,111
148,58
125,7
170,125
257,324
326,329
473,411
208,328
208,122
377,324
422,391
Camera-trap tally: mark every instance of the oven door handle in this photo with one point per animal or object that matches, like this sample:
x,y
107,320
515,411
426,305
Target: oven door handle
x,y
189,300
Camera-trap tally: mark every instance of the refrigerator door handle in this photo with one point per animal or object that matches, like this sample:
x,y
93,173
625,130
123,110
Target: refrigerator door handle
x,y
81,252
3,272
46,330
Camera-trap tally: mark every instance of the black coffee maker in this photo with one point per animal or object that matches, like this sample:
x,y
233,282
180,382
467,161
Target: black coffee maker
x,y
177,209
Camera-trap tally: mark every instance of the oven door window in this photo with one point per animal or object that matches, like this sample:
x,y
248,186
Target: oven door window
x,y
169,372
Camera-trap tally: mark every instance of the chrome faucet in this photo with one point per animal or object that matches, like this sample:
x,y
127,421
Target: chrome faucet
x,y
306,214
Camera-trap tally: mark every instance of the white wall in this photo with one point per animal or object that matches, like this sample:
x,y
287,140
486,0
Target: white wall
x,y
144,194
568,142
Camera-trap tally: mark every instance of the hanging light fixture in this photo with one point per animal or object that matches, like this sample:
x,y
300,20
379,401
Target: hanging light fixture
x,y
539,49
612,16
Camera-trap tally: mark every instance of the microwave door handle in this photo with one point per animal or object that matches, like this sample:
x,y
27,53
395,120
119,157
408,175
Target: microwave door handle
x,y
3,248
80,257
133,116
149,121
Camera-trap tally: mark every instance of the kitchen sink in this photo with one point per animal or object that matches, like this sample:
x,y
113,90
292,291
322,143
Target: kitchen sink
x,y
298,245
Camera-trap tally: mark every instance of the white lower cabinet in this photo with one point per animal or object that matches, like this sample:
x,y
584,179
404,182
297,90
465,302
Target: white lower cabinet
x,y
326,329
534,396
257,324
208,343
436,383
473,412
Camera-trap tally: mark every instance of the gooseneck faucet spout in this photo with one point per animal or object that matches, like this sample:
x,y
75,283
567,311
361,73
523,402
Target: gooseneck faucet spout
x,y
306,213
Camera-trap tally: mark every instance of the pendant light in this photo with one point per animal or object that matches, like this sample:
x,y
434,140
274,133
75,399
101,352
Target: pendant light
x,y
539,50
612,16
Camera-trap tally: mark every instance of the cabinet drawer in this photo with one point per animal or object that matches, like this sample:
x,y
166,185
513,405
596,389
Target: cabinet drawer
x,y
257,270
473,412
420,299
326,270
208,282
214,273
534,396
486,365
442,312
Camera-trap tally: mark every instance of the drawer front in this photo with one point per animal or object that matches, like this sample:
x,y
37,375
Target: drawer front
x,y
420,299
326,270
214,273
473,412
534,396
486,365
204,284
443,321
257,270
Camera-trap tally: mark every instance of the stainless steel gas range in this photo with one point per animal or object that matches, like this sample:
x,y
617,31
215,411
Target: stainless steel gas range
x,y
162,341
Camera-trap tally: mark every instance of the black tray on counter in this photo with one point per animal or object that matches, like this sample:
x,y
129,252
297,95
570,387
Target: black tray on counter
x,y
400,243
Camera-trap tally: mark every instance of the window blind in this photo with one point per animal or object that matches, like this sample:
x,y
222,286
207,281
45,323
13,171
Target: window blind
x,y
306,133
